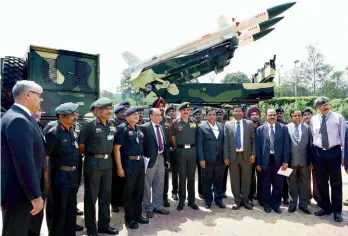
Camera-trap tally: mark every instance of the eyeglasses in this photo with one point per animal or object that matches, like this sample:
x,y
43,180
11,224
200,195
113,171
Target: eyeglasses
x,y
39,94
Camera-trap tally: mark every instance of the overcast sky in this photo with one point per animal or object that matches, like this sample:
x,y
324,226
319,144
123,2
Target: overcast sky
x,y
150,27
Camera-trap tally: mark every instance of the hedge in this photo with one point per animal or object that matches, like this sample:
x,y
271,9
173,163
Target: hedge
x,y
289,103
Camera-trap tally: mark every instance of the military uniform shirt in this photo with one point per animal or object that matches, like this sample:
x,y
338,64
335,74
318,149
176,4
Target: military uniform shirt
x,y
61,145
185,133
131,140
166,125
97,137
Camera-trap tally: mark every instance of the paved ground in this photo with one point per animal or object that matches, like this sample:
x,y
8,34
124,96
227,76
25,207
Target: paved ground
x,y
218,221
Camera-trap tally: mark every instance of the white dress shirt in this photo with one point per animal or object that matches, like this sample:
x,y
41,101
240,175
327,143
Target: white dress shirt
x,y
155,128
215,129
23,108
241,133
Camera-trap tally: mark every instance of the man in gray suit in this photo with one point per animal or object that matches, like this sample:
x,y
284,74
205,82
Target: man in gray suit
x,y
239,154
300,160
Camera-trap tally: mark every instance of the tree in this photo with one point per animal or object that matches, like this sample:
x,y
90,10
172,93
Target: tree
x,y
314,71
338,78
107,94
236,78
127,91
329,90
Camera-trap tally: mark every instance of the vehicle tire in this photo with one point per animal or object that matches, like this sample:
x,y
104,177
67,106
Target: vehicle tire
x,y
14,70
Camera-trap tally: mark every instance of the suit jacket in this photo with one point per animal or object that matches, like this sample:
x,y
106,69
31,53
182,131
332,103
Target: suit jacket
x,y
150,143
346,150
230,140
207,145
282,145
22,158
301,148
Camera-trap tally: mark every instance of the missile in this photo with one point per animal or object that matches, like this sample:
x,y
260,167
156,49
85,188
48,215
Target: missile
x,y
254,37
261,17
258,28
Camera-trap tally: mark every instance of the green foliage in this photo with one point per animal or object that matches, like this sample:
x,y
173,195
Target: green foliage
x,y
236,78
107,94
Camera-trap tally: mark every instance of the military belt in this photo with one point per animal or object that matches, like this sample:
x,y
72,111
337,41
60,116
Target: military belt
x,y
99,155
68,168
186,146
137,158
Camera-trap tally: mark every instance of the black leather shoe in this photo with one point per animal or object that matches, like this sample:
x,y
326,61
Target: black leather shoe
x,y
78,228
115,209
267,210
292,209
286,202
338,217
142,220
161,211
132,224
79,213
193,205
110,230
321,212
236,206
207,206
220,204
175,197
247,206
166,203
305,210
180,206
277,210
149,214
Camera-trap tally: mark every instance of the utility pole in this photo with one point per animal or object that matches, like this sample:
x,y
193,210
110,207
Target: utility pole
x,y
297,61
279,79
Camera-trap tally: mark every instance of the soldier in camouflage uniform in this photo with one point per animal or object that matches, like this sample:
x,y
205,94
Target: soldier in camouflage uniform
x,y
96,142
62,149
183,135
197,114
118,183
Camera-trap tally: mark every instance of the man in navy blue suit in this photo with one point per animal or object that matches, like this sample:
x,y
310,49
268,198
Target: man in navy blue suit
x,y
272,152
22,162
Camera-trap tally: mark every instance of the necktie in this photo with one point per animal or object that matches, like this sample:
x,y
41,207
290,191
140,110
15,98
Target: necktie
x,y
323,131
238,141
297,133
271,139
160,144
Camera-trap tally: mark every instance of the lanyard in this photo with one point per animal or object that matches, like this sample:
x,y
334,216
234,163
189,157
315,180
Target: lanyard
x,y
135,130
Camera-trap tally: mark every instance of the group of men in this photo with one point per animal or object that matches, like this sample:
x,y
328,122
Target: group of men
x,y
127,160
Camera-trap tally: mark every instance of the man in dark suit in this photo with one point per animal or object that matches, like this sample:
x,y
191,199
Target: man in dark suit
x,y
239,154
346,159
272,152
156,149
209,145
22,181
300,161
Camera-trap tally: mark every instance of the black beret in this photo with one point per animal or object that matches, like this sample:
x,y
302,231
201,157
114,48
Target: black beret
x,y
280,110
130,111
198,110
140,109
171,107
103,102
66,108
184,105
124,103
158,101
219,111
119,108
91,107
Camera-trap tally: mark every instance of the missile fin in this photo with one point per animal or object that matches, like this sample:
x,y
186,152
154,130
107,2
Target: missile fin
x,y
130,58
222,21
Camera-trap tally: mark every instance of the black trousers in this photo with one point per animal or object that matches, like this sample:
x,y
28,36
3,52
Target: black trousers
x,y
200,187
166,184
327,165
97,186
225,179
134,189
285,190
64,189
175,174
117,188
212,181
186,159
255,186
17,220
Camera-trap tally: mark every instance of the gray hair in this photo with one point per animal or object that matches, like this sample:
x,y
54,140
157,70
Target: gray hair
x,y
23,86
320,101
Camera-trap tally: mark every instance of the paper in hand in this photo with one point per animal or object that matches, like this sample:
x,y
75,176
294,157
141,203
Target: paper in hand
x,y
286,172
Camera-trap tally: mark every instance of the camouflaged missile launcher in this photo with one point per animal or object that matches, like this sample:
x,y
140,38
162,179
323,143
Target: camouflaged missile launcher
x,y
65,76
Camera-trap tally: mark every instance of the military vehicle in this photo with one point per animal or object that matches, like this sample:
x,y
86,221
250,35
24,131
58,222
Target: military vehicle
x,y
65,76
